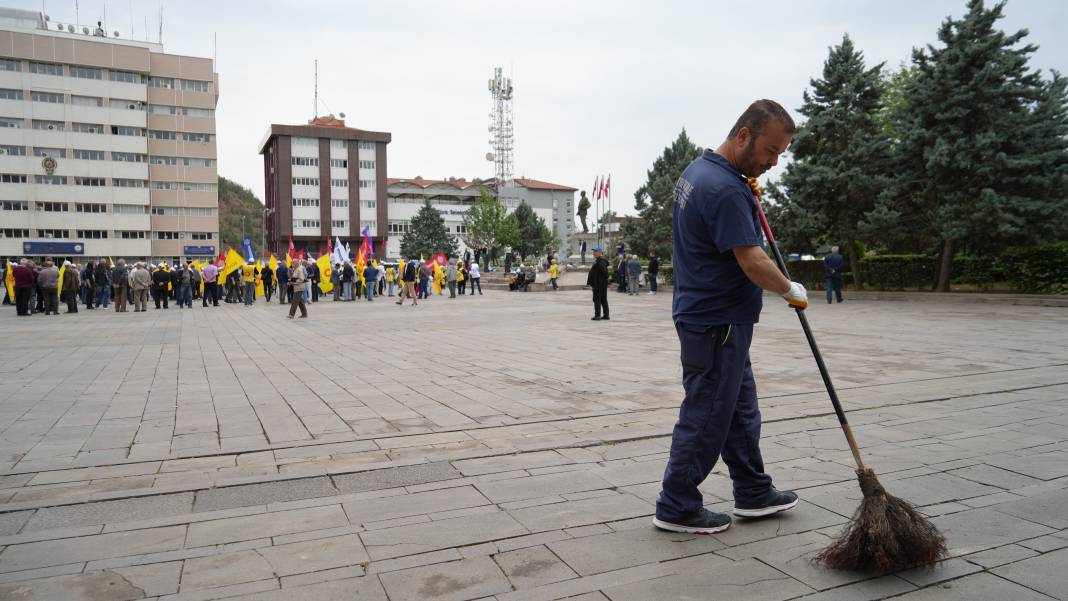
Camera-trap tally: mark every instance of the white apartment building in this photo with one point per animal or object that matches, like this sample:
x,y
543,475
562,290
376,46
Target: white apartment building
x,y
107,145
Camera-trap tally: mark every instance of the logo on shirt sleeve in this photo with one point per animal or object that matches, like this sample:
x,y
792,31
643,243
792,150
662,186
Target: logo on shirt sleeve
x,y
683,189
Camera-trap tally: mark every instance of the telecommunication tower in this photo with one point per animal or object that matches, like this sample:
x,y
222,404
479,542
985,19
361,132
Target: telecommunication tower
x,y
500,128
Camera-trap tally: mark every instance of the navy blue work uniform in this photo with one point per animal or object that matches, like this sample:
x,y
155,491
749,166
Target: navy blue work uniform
x,y
834,263
714,308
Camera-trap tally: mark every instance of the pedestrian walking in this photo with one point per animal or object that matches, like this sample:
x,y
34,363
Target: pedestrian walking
x,y
408,277
102,279
48,282
120,285
160,281
184,275
370,277
461,278
474,273
833,264
248,273
71,283
450,278
210,275
424,281
554,272
391,280
267,275
597,280
634,272
720,271
313,280
654,269
298,279
335,280
281,274
25,280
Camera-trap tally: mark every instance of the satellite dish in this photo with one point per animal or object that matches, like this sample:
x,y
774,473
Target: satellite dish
x,y
489,156
70,28
342,115
59,26
85,30
116,33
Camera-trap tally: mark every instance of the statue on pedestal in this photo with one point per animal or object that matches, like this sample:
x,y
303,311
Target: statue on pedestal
x,y
583,208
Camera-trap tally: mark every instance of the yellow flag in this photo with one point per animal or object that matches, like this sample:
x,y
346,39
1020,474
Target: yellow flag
x,y
62,270
259,277
289,261
234,261
400,272
325,271
273,263
198,265
9,281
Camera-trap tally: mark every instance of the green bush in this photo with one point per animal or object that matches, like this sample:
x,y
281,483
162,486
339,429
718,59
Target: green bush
x,y
981,272
811,274
1037,269
898,272
668,273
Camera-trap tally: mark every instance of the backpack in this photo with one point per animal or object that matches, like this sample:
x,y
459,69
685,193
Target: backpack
x,y
186,277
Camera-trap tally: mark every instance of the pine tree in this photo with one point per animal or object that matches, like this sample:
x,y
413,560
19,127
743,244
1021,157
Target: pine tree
x,y
840,152
983,147
656,197
427,235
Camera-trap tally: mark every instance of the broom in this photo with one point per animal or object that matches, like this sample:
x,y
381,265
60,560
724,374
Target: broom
x,y
886,533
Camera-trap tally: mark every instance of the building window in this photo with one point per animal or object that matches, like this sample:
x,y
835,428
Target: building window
x,y
90,207
461,228
306,223
367,164
92,234
89,181
126,76
157,134
198,162
7,64
16,232
339,162
194,137
189,111
89,155
165,211
161,82
8,94
85,73
120,182
48,125
340,223
88,128
53,233
49,97
128,105
123,130
14,205
164,185
12,123
367,183
161,160
14,151
340,203
305,141
127,157
46,69
87,100
195,187
339,144
12,178
162,109
202,235
305,202
305,181
199,211
399,227
339,183
193,85
367,145
306,161
55,153
169,236
131,235
128,209
371,226
53,180
369,204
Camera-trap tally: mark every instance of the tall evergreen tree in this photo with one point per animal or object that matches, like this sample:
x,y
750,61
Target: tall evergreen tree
x,y
655,198
428,235
983,154
840,152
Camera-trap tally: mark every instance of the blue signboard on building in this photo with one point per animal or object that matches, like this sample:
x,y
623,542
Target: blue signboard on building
x,y
53,248
200,250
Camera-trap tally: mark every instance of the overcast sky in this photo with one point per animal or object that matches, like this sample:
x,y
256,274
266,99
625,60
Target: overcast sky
x,y
600,87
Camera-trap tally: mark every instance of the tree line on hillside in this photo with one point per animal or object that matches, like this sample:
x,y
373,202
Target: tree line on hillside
x,y
964,150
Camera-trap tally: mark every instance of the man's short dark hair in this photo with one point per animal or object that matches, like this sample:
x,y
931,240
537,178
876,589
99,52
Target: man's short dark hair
x,y
759,114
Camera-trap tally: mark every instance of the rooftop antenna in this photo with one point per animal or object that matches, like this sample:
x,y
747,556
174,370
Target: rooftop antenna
x,y
77,19
160,38
315,110
500,88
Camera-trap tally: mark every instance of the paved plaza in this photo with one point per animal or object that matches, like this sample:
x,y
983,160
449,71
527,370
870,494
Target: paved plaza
x,y
506,447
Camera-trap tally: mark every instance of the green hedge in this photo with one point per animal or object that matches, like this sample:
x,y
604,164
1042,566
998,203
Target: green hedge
x,y
1034,270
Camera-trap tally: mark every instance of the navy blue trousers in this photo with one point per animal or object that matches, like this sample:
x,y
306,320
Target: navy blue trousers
x,y
719,416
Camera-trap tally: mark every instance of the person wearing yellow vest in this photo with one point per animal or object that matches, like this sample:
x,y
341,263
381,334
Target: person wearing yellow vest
x,y
391,280
248,274
461,276
554,272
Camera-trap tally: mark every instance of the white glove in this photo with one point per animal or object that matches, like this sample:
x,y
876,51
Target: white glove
x,y
796,296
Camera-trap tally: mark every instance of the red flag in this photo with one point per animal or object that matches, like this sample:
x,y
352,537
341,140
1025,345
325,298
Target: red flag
x,y
608,184
329,248
299,255
292,249
596,188
221,259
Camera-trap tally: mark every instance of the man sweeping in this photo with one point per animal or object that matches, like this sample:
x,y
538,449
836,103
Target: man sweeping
x,y
720,271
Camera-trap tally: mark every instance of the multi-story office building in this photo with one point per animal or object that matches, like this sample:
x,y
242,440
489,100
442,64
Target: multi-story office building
x,y
453,197
107,145
323,181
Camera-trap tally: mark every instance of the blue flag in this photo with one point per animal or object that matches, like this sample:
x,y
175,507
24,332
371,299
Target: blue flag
x,y
247,250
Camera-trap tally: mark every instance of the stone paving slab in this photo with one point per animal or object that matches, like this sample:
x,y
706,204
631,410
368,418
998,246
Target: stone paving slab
x,y
525,468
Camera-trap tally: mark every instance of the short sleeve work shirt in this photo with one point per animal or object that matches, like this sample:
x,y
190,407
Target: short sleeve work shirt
x,y
713,213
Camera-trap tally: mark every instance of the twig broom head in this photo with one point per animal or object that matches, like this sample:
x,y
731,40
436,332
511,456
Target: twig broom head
x,y
885,535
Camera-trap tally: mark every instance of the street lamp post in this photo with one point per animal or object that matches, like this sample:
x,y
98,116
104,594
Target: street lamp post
x,y
266,211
